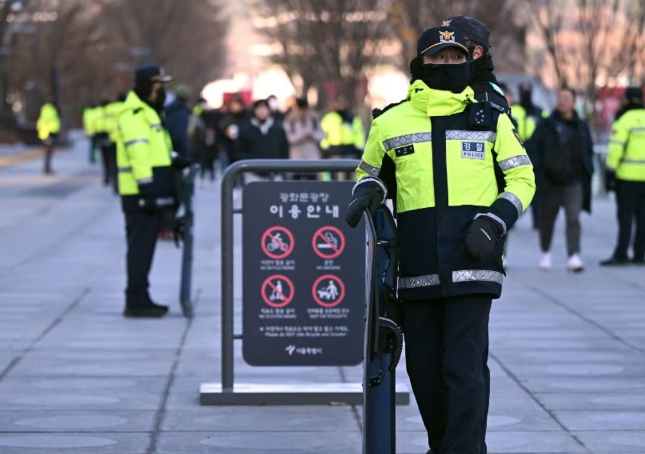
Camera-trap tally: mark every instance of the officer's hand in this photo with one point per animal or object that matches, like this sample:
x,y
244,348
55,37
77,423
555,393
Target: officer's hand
x,y
481,240
610,181
367,196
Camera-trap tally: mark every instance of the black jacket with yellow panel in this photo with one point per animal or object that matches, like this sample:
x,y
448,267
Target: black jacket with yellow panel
x,y
445,148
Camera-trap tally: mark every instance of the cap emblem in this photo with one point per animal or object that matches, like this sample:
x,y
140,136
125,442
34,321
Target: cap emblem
x,y
447,37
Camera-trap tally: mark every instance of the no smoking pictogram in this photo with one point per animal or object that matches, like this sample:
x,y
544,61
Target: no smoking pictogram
x,y
277,291
277,242
328,291
328,242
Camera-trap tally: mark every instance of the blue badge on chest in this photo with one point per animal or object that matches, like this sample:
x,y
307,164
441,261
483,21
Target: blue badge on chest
x,y
404,151
473,150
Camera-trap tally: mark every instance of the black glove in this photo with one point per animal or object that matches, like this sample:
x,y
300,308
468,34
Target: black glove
x,y
610,180
481,240
367,196
180,162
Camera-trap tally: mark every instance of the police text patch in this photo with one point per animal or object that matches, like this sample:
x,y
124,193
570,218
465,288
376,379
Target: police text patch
x,y
473,150
404,151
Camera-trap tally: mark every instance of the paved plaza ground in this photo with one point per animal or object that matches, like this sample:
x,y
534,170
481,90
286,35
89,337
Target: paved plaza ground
x,y
567,354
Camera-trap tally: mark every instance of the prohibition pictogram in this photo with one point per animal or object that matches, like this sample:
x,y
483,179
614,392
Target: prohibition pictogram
x,y
328,242
277,291
277,242
328,291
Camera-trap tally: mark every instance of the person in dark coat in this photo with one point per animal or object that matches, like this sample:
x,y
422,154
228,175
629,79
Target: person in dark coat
x,y
229,124
262,137
177,119
561,150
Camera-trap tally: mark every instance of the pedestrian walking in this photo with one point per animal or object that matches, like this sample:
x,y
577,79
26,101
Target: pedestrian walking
x,y
262,137
451,222
304,135
48,126
561,149
625,175
177,120
146,183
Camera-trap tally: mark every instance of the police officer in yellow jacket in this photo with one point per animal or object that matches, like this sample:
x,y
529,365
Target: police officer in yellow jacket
x,y
48,126
452,218
144,159
626,175
111,113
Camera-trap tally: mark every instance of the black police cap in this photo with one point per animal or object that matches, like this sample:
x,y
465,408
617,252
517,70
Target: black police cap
x,y
152,73
436,39
472,28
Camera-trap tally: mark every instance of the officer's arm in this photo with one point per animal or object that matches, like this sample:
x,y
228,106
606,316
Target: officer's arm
x,y
370,165
135,135
617,143
518,174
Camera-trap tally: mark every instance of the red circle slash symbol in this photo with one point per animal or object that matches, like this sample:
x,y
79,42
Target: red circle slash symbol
x,y
328,291
328,242
277,242
277,291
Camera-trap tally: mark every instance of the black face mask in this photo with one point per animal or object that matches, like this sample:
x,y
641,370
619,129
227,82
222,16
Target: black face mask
x,y
453,78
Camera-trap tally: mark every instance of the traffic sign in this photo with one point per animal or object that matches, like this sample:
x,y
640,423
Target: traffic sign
x,y
277,242
328,291
277,291
328,242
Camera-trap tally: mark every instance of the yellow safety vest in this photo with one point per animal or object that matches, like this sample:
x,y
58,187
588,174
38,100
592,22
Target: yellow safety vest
x,y
143,149
338,133
526,124
444,168
48,122
112,112
626,155
88,119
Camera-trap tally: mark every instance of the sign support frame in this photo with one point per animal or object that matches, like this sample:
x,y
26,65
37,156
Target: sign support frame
x,y
227,392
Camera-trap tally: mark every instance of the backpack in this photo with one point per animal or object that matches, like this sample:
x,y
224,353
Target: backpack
x,y
558,165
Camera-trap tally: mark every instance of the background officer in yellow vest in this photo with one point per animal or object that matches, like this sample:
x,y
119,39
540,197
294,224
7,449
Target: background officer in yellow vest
x,y
111,115
88,127
626,175
48,126
344,132
452,219
145,182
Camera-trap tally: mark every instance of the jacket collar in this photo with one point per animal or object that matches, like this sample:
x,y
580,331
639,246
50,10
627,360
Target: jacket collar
x,y
438,103
133,102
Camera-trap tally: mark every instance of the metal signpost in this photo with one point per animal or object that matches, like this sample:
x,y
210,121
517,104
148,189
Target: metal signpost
x,y
187,233
303,280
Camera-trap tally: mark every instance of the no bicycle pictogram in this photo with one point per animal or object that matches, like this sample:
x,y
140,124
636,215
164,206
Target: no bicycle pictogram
x,y
328,242
328,291
277,243
277,291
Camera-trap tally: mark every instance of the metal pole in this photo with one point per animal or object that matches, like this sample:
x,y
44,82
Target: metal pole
x,y
226,239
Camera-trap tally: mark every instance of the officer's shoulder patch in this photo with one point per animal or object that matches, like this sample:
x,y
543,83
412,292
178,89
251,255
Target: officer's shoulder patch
x,y
517,136
378,112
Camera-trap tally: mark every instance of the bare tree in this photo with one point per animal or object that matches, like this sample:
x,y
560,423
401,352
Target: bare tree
x,y
409,18
329,44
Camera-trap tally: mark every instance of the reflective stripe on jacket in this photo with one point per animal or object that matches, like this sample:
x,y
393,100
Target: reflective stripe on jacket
x,y
445,177
626,155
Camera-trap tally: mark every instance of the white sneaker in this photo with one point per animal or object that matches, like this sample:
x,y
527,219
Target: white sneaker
x,y
545,263
575,263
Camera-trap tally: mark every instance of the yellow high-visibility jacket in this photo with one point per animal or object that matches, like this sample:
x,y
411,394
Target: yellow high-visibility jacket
x,y
143,152
626,155
88,120
526,124
112,112
444,169
342,134
48,122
